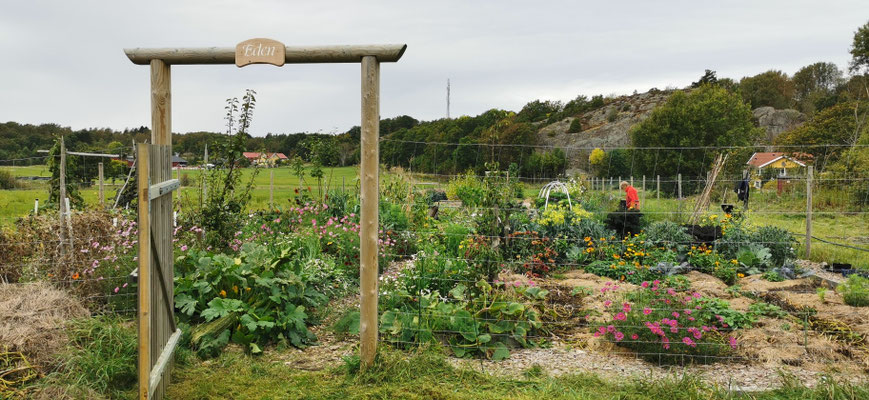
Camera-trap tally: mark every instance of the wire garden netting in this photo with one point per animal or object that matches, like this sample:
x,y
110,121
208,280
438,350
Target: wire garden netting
x,y
499,271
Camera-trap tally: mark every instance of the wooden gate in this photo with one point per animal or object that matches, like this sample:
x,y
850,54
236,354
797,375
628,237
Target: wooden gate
x,y
158,334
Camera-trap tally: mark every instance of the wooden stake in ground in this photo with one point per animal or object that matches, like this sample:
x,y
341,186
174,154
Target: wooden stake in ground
x,y
368,215
658,188
809,178
102,193
61,199
272,188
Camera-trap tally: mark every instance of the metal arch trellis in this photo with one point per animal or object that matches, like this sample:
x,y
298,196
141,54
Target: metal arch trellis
x,y
554,185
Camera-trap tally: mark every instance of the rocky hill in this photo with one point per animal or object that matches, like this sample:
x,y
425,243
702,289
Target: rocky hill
x,y
609,126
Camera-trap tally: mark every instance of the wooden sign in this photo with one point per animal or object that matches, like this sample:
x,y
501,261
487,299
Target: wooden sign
x,y
260,51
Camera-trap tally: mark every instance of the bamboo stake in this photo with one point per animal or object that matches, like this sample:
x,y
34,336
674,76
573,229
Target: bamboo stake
x,y
369,211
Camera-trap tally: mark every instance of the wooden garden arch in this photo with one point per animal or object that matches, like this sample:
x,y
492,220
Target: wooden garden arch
x,y
157,332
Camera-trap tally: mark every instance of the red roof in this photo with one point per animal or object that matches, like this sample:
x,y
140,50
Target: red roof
x,y
250,155
760,160
281,156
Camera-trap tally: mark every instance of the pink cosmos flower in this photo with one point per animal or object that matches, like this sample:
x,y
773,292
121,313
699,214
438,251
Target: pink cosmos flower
x,y
645,284
619,336
635,336
689,342
184,248
647,311
610,328
117,289
626,307
732,341
607,303
675,314
620,317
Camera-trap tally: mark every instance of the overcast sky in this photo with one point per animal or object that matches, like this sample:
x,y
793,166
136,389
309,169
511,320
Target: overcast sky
x,y
62,61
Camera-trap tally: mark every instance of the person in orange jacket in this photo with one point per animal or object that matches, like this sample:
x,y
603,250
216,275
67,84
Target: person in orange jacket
x,y
632,201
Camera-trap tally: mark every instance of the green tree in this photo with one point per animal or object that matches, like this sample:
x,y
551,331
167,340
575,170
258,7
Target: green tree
x,y
815,86
683,135
860,51
833,126
707,78
771,88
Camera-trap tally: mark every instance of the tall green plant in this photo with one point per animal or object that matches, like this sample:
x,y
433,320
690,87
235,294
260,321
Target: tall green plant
x,y
224,208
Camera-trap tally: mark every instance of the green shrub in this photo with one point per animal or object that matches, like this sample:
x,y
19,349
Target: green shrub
x,y
467,188
485,324
779,242
668,234
575,126
612,114
258,297
7,180
855,291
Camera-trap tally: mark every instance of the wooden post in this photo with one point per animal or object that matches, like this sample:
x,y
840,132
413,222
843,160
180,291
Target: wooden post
x,y
632,180
203,176
369,209
272,188
161,214
809,179
36,208
144,278
658,188
102,193
611,184
644,190
62,198
679,183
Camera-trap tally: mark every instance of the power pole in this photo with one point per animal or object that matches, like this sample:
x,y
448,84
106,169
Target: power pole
x,y
448,98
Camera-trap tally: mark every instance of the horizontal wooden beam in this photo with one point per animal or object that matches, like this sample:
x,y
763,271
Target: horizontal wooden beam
x,y
156,374
295,54
163,188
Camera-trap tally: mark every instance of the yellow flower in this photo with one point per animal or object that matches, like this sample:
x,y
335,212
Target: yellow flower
x,y
741,275
734,262
247,289
616,256
235,288
223,293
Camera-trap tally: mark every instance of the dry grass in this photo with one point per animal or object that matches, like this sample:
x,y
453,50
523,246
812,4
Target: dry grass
x,y
32,320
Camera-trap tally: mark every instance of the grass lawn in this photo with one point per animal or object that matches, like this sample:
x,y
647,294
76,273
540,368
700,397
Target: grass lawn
x,y
427,375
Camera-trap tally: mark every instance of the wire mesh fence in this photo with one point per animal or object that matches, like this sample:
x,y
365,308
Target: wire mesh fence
x,y
475,261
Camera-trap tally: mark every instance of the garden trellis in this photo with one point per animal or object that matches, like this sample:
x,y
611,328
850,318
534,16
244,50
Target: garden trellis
x,y
266,51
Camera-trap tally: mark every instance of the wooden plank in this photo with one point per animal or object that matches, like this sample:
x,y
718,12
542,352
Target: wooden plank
x,y
164,188
163,360
294,54
161,103
144,277
369,210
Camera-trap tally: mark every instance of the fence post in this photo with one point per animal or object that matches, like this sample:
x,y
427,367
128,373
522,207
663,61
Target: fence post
x,y
102,193
61,197
36,208
681,201
644,190
632,180
369,210
272,188
809,178
658,189
144,278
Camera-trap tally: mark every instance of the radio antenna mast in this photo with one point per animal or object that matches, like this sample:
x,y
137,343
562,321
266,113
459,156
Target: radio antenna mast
x,y
448,98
